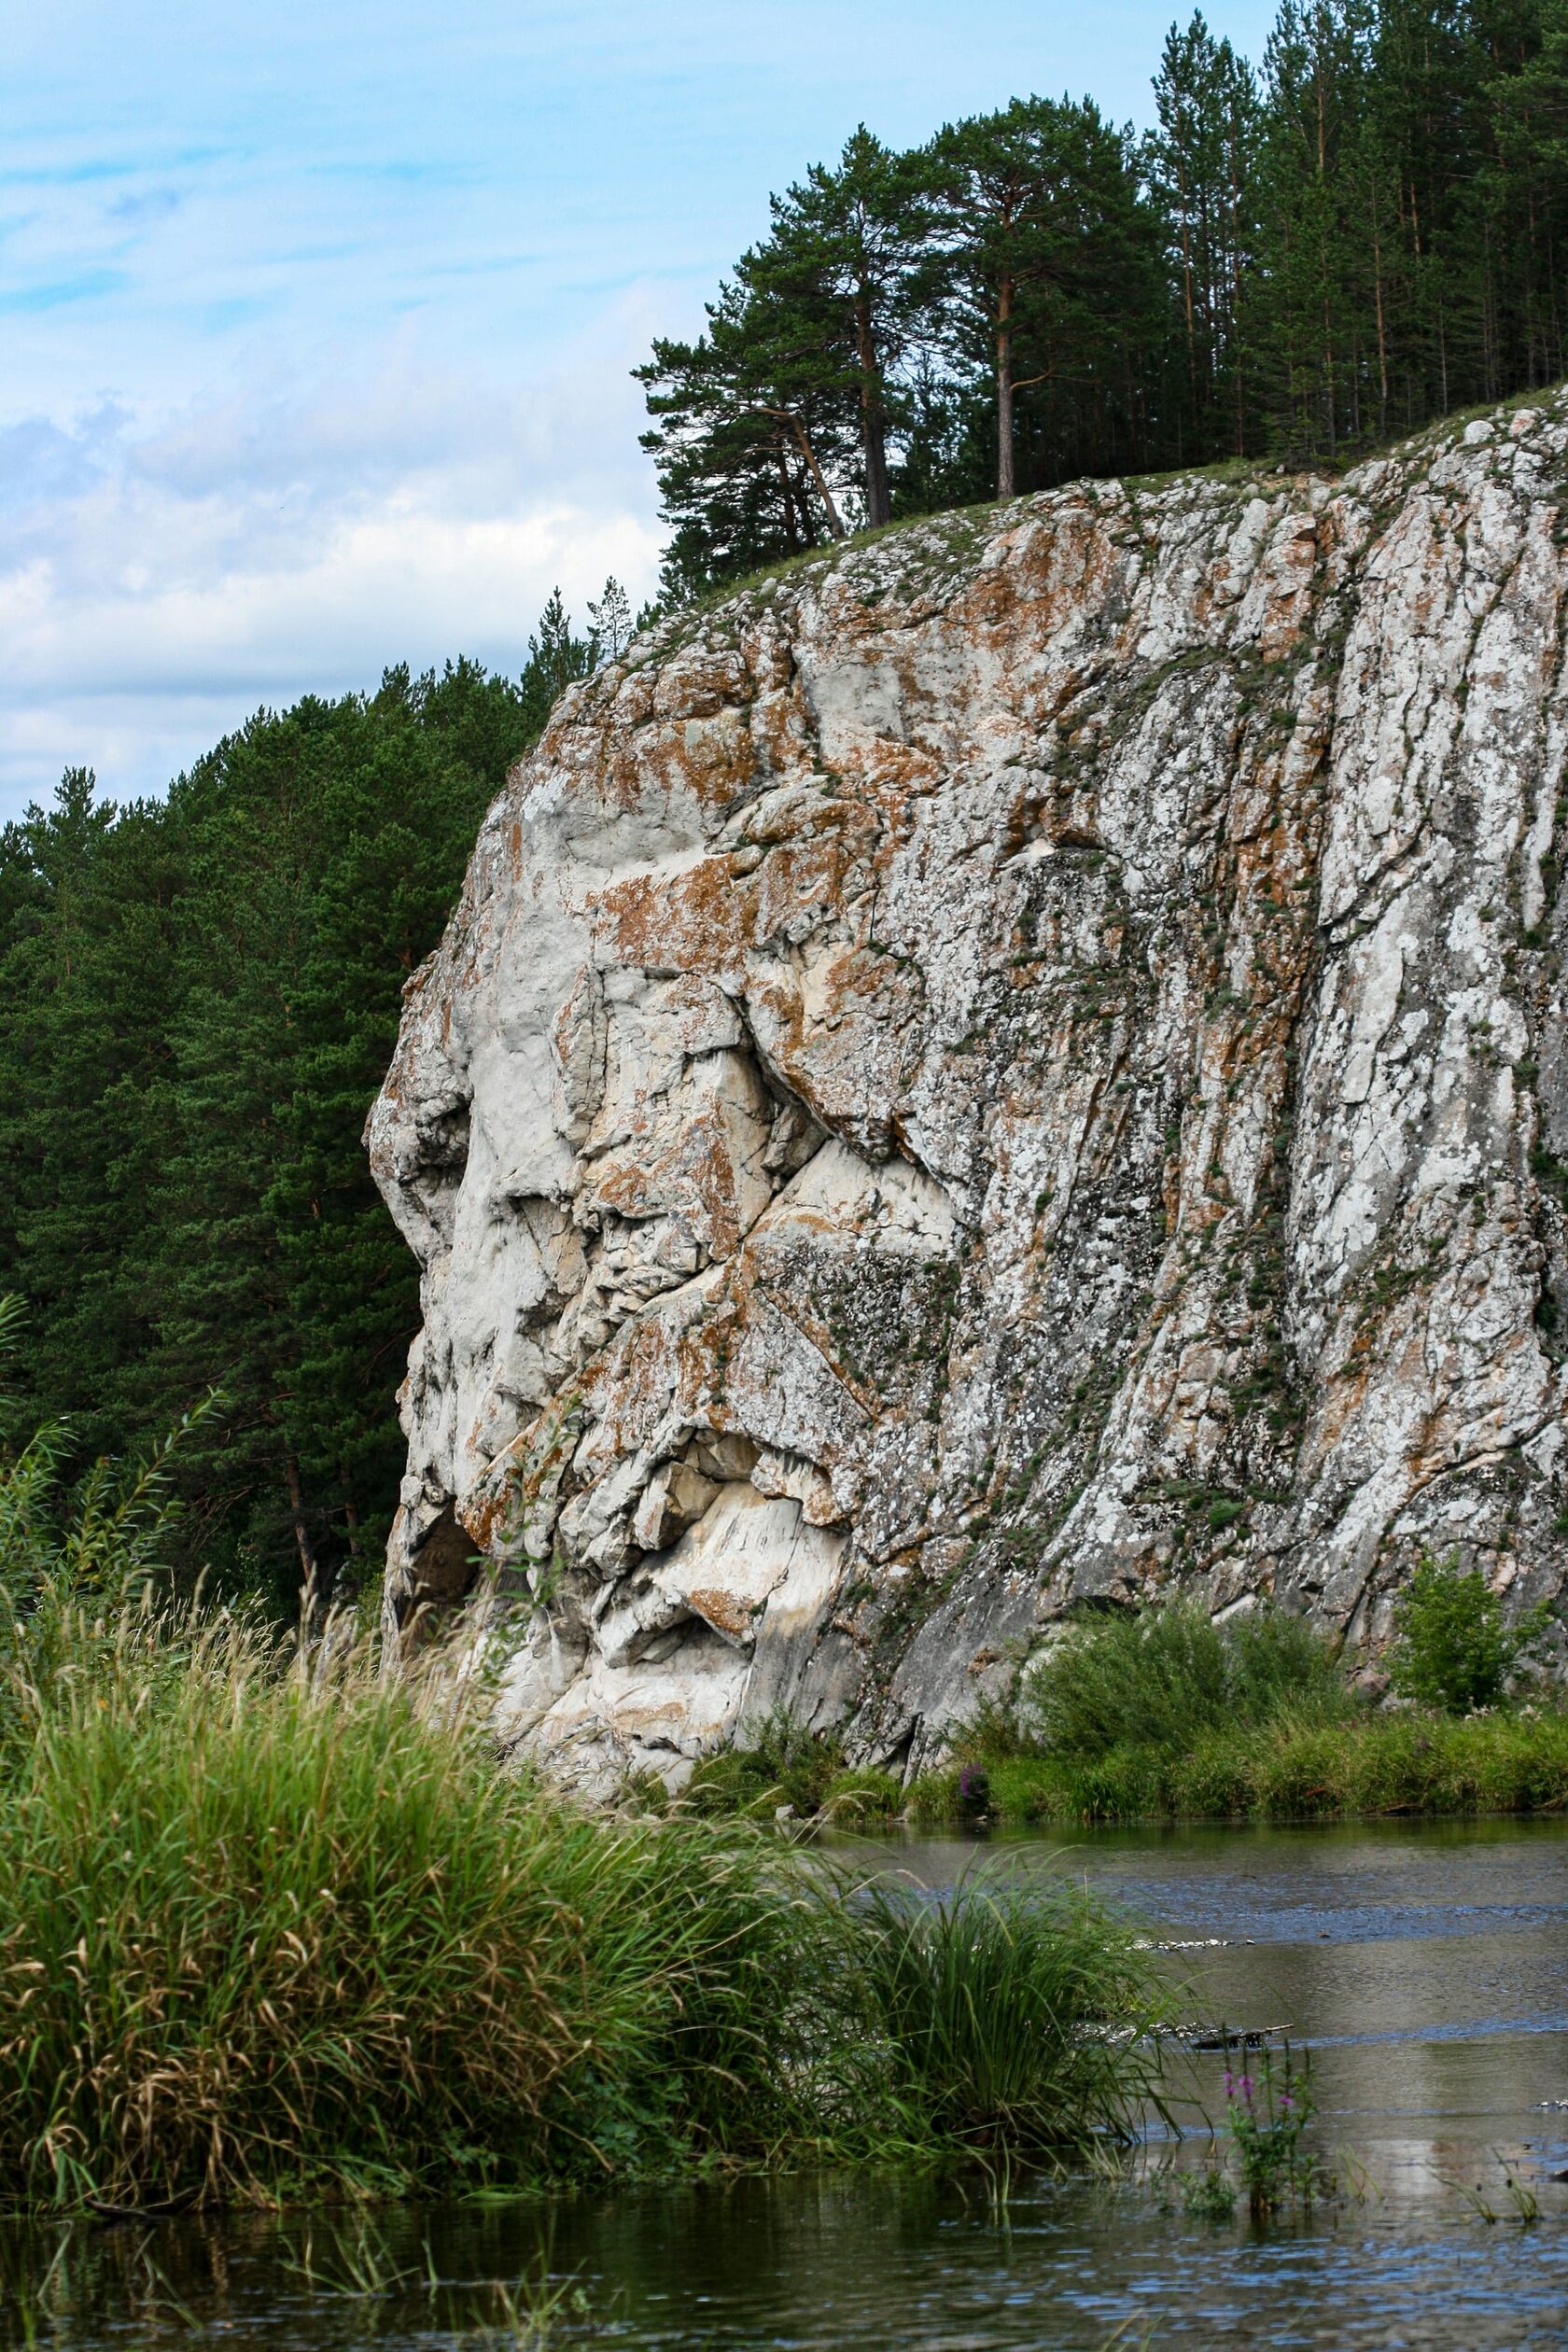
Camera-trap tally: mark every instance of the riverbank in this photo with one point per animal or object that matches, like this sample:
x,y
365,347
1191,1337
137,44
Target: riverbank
x,y
1426,1966
1415,1762
1364,1766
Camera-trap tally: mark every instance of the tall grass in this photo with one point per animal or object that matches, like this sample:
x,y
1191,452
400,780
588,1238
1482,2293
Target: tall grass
x,y
271,1922
258,1925
265,1928
1017,2017
1166,1678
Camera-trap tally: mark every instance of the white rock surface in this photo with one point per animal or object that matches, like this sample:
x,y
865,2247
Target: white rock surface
x,y
1019,1062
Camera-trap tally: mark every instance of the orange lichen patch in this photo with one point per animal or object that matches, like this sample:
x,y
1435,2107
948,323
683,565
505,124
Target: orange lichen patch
x,y
1290,601
641,1721
699,682
812,813
768,656
710,760
906,770
779,735
631,1190
725,1612
656,1372
524,1470
698,920
695,1179
1058,571
856,977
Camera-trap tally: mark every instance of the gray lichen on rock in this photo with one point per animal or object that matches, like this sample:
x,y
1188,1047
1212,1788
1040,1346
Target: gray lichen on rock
x,y
1019,1062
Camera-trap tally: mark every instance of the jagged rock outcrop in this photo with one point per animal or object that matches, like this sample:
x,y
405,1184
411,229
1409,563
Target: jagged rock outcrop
x,y
1022,1061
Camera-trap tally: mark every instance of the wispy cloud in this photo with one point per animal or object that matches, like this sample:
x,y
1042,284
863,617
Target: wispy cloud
x,y
51,294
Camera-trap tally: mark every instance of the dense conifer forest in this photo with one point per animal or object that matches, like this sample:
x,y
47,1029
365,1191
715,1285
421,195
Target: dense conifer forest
x,y
201,993
1297,263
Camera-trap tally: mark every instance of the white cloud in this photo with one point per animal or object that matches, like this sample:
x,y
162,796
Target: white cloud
x,y
170,574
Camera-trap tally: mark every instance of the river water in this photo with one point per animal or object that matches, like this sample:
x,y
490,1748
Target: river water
x,y
1425,1967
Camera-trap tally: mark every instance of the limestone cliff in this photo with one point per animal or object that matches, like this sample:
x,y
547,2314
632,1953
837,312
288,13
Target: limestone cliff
x,y
1020,1061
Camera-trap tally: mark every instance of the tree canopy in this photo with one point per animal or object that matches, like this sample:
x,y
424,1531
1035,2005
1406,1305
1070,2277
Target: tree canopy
x,y
1297,262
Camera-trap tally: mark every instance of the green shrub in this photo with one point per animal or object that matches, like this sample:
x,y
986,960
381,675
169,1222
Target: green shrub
x,y
1280,1666
1290,1769
991,1735
1165,1677
1453,1648
729,1784
933,1798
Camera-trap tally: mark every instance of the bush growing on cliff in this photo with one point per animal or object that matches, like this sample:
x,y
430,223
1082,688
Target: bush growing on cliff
x,y
1163,1678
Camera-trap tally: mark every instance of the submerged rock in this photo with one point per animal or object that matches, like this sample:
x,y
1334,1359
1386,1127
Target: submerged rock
x,y
1016,1063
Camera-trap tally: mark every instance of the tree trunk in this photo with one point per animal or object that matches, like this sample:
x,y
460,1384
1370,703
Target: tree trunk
x,y
787,492
835,526
308,1588
1383,341
874,426
1006,478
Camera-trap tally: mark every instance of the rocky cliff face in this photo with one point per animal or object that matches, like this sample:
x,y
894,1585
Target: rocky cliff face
x,y
1019,1063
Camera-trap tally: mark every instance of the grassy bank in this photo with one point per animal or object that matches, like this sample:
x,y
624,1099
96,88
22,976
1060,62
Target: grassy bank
x,y
1284,1770
270,1930
274,1924
1160,1714
1414,1763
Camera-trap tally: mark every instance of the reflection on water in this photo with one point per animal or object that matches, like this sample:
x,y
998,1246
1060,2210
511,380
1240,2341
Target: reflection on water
x,y
1425,1967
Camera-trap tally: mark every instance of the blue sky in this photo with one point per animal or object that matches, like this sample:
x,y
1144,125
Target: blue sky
x,y
316,320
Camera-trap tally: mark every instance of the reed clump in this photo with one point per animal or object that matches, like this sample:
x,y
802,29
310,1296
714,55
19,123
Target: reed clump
x,y
262,1925
270,1926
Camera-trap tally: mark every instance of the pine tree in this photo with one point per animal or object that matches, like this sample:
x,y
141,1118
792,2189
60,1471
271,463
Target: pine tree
x,y
846,266
86,964
1310,318
610,625
1052,274
205,995
1202,168
746,437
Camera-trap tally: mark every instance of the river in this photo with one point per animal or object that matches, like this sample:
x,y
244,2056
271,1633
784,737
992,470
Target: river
x,y
1425,1967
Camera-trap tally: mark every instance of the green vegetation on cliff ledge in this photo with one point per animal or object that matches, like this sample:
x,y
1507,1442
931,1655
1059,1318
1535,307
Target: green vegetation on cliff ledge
x,y
273,1925
1160,1712
1285,1770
